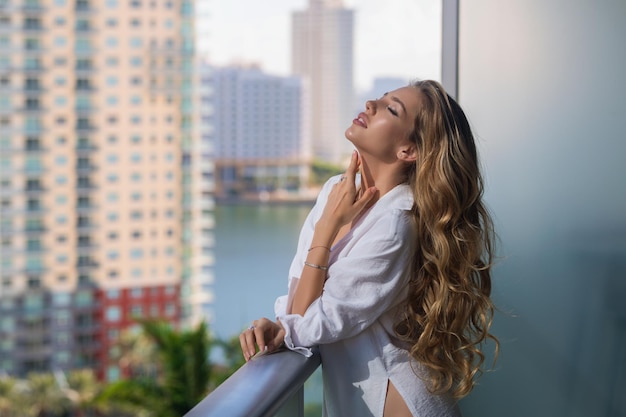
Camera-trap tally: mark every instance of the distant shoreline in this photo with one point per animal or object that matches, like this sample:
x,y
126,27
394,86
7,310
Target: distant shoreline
x,y
303,198
239,201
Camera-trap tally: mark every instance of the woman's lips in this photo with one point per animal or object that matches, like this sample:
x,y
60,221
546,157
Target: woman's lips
x,y
360,120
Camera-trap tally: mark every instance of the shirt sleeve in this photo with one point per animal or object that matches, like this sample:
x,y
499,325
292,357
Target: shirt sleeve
x,y
362,285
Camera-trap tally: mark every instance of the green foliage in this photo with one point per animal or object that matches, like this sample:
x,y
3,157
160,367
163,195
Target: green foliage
x,y
312,410
321,171
234,360
9,396
170,373
183,376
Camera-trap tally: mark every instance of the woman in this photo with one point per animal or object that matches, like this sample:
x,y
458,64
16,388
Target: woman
x,y
392,273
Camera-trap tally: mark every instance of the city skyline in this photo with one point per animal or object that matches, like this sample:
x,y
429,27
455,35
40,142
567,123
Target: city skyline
x,y
400,38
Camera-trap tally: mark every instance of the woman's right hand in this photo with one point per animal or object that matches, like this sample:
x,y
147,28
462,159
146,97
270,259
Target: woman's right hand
x,y
263,333
344,203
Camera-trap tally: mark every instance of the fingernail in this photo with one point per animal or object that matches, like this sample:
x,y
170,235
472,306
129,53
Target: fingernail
x,y
251,354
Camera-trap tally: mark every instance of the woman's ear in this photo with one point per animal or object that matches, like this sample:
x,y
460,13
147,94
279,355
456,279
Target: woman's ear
x,y
407,153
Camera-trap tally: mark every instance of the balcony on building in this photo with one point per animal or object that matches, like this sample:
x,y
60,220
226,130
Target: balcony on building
x,y
84,126
84,208
83,65
85,147
84,85
85,245
33,204
84,185
87,343
83,26
84,109
34,246
84,166
33,349
34,227
33,186
83,7
86,324
33,145
32,24
86,262
32,66
85,360
29,328
32,7
84,223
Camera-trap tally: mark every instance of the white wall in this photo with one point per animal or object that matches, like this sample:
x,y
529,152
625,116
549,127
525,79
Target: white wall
x,y
544,86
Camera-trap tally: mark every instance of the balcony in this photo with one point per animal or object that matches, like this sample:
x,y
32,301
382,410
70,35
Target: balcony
x,y
32,28
32,8
85,208
85,128
85,187
85,262
33,89
83,7
34,189
85,148
85,168
86,249
85,225
270,385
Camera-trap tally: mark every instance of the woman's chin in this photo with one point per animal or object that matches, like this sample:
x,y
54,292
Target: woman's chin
x,y
349,134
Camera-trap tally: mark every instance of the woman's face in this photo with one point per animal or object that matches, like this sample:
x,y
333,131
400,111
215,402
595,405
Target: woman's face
x,y
386,124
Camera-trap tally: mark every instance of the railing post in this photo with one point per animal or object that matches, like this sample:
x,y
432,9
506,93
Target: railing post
x,y
294,406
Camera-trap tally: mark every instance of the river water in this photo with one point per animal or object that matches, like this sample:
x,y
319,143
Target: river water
x,y
253,251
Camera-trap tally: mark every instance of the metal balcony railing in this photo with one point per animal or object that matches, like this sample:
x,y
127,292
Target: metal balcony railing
x,y
269,385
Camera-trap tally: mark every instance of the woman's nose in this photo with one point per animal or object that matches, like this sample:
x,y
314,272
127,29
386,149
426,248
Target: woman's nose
x,y
370,105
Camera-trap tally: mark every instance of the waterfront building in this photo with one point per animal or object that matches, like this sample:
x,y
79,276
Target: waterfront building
x,y
261,139
322,52
105,205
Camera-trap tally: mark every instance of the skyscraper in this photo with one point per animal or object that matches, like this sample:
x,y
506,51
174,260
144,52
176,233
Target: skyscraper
x,y
261,133
322,52
100,181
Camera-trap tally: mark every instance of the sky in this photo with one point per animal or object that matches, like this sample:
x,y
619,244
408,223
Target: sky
x,y
393,38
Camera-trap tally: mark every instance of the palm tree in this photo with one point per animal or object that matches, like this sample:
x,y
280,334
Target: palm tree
x,y
137,354
82,390
9,396
183,371
233,360
44,395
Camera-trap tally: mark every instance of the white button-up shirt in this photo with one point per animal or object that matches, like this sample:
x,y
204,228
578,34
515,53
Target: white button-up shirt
x,y
353,320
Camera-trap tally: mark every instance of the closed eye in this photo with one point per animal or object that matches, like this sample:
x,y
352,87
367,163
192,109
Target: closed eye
x,y
392,111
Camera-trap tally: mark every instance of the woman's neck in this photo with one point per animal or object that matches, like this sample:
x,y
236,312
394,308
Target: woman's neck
x,y
383,177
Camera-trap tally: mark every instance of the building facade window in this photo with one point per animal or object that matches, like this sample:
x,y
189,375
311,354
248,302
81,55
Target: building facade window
x,y
113,314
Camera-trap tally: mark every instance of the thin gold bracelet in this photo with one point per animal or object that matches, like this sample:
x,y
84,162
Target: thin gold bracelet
x,y
320,246
321,267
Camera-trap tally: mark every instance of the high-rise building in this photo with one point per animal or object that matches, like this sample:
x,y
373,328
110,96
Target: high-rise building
x,y
101,178
261,133
322,52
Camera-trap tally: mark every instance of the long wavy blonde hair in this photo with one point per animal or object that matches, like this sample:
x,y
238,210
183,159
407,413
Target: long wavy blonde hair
x,y
449,310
